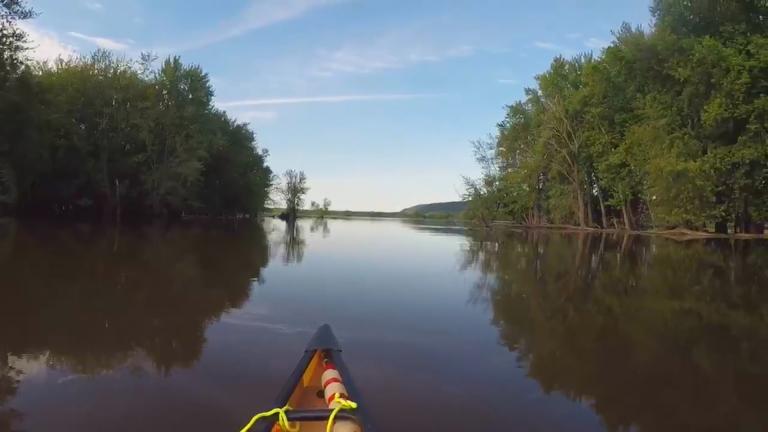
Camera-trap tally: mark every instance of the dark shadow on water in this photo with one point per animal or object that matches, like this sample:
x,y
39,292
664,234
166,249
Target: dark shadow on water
x,y
435,226
88,300
655,335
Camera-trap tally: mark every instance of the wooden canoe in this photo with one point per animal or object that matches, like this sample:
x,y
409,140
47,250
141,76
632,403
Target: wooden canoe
x,y
303,391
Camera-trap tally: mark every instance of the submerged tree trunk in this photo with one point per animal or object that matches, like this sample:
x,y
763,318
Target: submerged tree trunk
x,y
626,211
107,205
757,228
650,212
118,214
746,218
603,220
721,227
580,207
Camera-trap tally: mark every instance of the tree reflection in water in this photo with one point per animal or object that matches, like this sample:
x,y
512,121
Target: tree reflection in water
x,y
654,334
320,224
9,380
293,243
89,304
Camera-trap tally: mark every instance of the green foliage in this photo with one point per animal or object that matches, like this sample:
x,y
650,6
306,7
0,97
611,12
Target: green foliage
x,y
695,18
235,177
293,190
12,45
666,128
12,40
100,136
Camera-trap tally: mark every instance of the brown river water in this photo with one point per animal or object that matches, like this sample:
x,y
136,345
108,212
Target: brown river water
x,y
196,328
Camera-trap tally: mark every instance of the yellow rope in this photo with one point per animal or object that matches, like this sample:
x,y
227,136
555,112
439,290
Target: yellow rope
x,y
343,404
282,419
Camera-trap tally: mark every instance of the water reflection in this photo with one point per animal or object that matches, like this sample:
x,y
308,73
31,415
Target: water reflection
x,y
654,334
435,226
9,381
321,225
293,243
7,233
89,301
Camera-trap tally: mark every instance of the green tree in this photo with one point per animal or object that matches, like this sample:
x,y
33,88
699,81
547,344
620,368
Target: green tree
x,y
235,178
175,141
321,210
665,128
702,18
99,136
12,47
293,190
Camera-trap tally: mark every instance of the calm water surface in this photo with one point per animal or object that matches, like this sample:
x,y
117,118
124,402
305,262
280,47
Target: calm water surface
x,y
195,329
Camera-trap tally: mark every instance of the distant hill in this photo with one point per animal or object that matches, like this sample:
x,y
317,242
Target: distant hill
x,y
451,207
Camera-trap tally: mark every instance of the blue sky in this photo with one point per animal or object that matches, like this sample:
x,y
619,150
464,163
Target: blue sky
x,y
376,101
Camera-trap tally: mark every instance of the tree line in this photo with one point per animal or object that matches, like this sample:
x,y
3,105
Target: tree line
x,y
99,136
666,127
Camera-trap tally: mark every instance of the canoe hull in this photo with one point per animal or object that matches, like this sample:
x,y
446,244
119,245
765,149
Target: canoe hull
x,y
303,391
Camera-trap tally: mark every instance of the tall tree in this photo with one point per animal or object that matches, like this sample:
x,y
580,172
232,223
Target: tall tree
x,y
12,47
293,190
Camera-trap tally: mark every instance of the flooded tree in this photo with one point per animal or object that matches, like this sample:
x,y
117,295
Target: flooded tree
x,y
293,190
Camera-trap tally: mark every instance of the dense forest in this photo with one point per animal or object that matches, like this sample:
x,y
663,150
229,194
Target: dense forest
x,y
100,136
666,127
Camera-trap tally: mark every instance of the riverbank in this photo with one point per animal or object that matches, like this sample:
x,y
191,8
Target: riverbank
x,y
676,233
367,214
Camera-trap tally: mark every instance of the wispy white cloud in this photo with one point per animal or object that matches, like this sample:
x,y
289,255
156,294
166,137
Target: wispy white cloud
x,y
549,46
258,14
93,5
300,72
596,43
392,51
508,81
102,42
45,45
322,99
255,116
